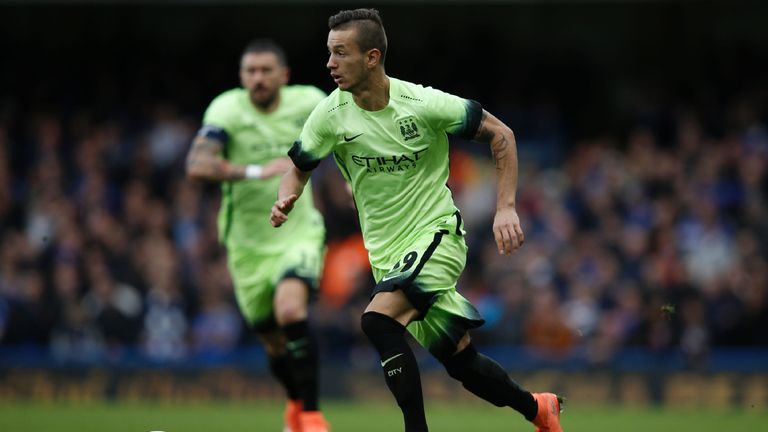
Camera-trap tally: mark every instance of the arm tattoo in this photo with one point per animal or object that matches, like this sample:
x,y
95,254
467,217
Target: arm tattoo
x,y
483,134
499,143
203,156
500,149
201,148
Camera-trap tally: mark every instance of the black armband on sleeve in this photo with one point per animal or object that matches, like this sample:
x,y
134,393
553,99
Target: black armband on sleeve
x,y
303,160
213,132
468,129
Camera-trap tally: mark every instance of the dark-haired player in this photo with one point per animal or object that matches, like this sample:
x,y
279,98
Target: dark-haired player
x,y
389,139
245,135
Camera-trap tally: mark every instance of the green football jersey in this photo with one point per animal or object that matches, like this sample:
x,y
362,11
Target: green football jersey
x,y
396,159
254,137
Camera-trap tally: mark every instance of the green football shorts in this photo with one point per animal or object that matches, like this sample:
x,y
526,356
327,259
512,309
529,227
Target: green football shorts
x,y
427,273
256,276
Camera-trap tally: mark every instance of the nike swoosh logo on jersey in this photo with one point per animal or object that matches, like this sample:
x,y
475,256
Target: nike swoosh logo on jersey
x,y
384,363
350,139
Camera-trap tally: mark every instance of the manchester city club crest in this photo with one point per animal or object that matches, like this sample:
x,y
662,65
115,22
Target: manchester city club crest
x,y
408,128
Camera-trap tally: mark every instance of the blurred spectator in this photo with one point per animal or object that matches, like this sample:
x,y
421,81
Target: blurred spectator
x,y
114,307
166,325
545,329
75,335
168,137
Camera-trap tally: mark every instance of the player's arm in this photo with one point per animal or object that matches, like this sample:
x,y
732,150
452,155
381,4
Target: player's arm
x,y
306,154
204,161
506,223
291,187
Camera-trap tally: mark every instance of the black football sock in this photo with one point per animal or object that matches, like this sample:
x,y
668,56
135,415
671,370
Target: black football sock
x,y
401,371
488,380
282,370
302,348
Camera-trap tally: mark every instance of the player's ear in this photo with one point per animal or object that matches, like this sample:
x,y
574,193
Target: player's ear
x,y
286,75
373,57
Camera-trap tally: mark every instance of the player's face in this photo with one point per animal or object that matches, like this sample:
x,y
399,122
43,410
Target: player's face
x,y
346,61
262,75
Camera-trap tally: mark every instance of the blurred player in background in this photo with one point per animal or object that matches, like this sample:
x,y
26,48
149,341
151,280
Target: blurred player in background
x,y
389,139
245,135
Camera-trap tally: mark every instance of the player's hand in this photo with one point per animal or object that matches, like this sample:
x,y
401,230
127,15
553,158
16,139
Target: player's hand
x,y
507,231
281,209
277,167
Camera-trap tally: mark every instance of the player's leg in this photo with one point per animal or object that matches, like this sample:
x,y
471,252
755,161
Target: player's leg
x,y
296,287
400,298
281,366
254,291
444,331
291,299
384,323
279,361
485,378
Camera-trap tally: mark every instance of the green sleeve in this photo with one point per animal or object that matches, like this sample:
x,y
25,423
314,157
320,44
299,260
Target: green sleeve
x,y
453,114
219,114
315,142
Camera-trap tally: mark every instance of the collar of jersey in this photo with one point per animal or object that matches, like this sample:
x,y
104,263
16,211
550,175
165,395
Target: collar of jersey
x,y
393,83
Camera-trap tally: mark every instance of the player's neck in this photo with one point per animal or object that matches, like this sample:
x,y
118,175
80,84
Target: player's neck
x,y
375,95
268,106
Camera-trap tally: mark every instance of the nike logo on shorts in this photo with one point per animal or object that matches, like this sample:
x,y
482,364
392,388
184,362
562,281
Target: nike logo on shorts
x,y
389,276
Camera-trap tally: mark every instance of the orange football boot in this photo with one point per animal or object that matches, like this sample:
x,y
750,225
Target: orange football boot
x,y
548,417
291,415
313,421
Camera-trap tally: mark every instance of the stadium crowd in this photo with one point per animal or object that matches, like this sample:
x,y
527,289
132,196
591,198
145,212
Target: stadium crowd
x,y
641,240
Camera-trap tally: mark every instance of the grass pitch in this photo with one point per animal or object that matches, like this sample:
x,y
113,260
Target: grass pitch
x,y
357,417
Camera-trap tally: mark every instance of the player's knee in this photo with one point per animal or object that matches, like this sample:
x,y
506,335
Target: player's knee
x,y
458,364
464,342
290,312
375,324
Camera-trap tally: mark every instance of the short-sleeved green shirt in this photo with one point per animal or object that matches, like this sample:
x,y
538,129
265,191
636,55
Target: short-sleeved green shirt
x,y
396,159
253,137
